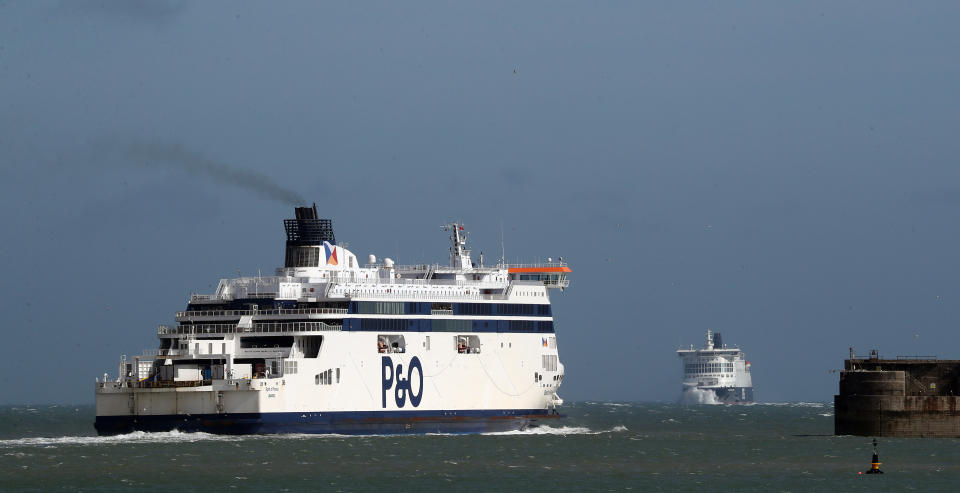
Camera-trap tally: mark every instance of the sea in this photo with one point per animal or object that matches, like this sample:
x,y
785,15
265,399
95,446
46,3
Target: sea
x,y
599,446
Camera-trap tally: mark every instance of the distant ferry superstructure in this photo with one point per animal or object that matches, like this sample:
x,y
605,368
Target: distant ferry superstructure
x,y
715,374
330,346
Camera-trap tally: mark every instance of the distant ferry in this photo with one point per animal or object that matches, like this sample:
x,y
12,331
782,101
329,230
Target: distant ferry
x,y
331,346
715,374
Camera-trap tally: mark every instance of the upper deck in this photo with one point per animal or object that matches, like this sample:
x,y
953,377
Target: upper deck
x,y
317,270
321,283
714,348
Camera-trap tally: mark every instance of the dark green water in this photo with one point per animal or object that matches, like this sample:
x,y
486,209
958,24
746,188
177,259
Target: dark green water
x,y
600,446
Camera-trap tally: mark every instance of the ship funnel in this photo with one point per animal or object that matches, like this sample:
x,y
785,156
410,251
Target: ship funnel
x,y
717,340
305,233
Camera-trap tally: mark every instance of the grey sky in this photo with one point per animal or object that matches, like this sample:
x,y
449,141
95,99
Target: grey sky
x,y
786,174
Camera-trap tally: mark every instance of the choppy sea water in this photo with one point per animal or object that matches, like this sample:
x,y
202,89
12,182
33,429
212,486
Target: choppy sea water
x,y
598,447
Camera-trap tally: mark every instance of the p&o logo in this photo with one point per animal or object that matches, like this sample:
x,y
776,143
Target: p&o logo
x,y
393,378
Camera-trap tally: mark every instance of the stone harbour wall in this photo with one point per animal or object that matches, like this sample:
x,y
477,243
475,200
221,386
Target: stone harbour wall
x,y
897,398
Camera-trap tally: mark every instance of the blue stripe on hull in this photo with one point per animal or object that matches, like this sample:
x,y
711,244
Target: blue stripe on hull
x,y
345,423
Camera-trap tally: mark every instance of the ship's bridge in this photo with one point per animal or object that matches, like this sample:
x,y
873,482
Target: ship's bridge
x,y
551,274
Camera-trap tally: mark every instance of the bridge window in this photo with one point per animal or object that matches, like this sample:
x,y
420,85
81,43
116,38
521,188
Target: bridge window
x,y
708,368
498,309
382,324
379,307
447,325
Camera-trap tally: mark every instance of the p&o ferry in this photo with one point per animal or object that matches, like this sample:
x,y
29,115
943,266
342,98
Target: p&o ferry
x,y
329,346
715,374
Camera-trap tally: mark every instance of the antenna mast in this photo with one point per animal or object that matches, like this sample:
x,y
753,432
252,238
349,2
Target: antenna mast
x,y
503,252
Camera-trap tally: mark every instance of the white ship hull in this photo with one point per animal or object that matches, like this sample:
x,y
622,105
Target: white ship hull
x,y
490,390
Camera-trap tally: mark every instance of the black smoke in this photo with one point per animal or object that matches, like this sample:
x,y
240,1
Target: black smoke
x,y
198,164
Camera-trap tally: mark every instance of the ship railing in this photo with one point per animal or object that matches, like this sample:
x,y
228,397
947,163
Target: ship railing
x,y
265,327
401,281
351,279
152,353
426,296
417,267
441,312
425,268
278,311
386,283
917,357
170,352
526,282
536,265
256,295
293,327
170,384
560,282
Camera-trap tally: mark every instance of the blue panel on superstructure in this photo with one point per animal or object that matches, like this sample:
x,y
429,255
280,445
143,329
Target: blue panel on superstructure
x,y
445,325
421,308
500,309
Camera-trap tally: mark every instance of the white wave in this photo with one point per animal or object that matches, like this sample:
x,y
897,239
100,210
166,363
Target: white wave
x,y
135,437
563,430
175,436
693,395
793,404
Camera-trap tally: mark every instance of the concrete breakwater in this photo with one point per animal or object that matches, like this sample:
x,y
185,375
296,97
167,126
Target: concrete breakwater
x,y
903,397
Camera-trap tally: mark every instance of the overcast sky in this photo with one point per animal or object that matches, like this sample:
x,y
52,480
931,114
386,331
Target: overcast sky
x,y
784,173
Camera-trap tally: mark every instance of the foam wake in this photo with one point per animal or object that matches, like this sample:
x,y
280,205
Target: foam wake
x,y
135,437
562,430
165,437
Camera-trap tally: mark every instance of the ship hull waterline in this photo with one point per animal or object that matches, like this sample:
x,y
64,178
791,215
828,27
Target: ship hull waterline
x,y
342,423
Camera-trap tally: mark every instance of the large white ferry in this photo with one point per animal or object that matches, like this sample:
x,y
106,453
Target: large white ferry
x,y
330,346
715,374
